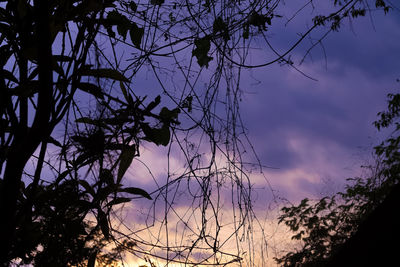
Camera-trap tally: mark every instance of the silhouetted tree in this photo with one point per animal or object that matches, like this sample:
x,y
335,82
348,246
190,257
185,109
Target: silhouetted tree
x,y
364,214
65,66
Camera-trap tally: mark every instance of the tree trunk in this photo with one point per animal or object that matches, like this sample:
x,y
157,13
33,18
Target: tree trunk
x,y
27,141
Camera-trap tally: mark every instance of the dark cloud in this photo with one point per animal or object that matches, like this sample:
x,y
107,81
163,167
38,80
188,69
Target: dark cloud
x,y
281,106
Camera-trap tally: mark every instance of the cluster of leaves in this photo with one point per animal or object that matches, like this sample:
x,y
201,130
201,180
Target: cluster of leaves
x,y
324,225
61,211
351,10
65,220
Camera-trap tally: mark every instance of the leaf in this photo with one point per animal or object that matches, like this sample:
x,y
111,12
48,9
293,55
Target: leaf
x,y
187,103
136,34
201,51
114,17
157,136
123,23
219,26
124,91
117,201
103,193
136,191
246,31
87,187
103,73
53,141
102,221
153,104
125,158
169,116
258,20
133,6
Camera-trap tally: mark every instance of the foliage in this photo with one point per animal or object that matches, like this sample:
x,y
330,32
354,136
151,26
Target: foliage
x,y
72,122
324,225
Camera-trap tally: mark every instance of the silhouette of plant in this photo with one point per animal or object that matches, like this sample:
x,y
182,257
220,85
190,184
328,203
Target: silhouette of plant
x,y
326,224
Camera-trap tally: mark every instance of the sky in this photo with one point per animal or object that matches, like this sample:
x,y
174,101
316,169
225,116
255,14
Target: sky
x,y
317,133
310,134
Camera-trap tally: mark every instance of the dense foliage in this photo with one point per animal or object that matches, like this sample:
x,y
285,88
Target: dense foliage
x,y
324,225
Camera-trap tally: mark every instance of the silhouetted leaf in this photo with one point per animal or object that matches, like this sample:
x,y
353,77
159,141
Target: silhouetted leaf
x,y
153,104
124,91
103,222
187,103
259,20
246,31
136,34
91,89
123,23
201,51
169,116
87,187
53,141
159,136
219,26
136,191
133,6
126,158
103,73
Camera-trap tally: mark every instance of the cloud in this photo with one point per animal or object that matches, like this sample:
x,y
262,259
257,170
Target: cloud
x,y
312,130
315,134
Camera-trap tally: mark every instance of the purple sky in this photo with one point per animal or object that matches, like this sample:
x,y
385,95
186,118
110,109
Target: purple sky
x,y
315,131
313,134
